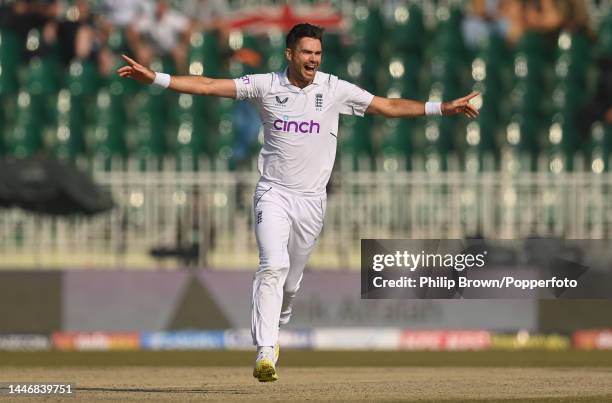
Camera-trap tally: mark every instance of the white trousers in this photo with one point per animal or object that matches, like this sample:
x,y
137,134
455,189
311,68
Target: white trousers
x,y
287,225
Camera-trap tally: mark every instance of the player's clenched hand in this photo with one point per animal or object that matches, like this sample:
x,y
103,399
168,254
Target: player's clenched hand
x,y
136,71
461,105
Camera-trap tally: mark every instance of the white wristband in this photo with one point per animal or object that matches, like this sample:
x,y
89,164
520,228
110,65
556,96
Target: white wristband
x,y
433,108
161,80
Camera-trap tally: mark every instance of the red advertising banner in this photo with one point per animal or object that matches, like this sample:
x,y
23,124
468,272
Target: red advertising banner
x,y
95,341
593,339
445,340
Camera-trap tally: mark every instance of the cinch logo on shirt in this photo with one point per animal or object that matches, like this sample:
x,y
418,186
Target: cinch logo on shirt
x,y
293,126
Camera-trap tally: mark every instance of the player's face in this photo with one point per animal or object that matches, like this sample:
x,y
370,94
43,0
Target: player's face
x,y
304,61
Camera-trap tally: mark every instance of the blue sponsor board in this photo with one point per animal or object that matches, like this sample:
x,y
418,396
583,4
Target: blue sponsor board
x,y
238,339
296,338
183,340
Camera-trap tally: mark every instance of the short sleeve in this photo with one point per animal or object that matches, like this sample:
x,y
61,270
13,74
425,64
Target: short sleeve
x,y
352,99
252,86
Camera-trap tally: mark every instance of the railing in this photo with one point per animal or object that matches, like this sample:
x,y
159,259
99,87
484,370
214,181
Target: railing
x,y
210,215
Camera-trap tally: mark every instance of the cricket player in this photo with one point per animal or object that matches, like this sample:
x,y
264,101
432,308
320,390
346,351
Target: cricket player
x,y
299,109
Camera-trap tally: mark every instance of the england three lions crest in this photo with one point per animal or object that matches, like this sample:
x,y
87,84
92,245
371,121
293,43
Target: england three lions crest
x,y
319,102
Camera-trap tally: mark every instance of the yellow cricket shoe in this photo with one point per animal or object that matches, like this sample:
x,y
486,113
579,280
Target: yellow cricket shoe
x,y
265,366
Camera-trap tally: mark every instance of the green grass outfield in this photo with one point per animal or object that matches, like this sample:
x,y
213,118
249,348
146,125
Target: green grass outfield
x,y
296,358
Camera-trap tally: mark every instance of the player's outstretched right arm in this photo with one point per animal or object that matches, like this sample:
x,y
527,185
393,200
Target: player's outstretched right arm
x,y
197,85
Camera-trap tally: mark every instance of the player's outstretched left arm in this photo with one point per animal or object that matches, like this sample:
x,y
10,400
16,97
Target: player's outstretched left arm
x,y
407,108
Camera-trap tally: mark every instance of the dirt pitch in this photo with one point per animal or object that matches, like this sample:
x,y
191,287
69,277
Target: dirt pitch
x,y
137,378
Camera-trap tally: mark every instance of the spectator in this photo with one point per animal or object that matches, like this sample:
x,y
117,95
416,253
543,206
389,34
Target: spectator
x,y
488,17
209,15
117,17
553,16
512,11
481,22
77,34
25,15
164,33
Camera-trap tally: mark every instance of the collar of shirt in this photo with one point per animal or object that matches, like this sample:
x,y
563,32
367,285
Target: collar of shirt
x,y
284,80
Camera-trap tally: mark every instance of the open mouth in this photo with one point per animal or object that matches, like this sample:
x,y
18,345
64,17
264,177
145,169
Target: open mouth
x,y
310,69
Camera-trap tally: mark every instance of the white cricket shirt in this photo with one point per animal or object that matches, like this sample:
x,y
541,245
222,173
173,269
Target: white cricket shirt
x,y
300,126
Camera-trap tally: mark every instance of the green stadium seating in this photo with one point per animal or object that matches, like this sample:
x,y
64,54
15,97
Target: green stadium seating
x,y
10,52
26,139
398,140
68,139
189,143
355,143
448,40
219,143
534,45
8,106
108,142
273,51
408,30
374,29
562,141
599,147
333,60
204,54
480,150
521,139
604,37
83,78
117,42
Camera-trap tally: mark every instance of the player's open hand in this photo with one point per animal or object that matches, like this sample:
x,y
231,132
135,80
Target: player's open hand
x,y
136,71
461,105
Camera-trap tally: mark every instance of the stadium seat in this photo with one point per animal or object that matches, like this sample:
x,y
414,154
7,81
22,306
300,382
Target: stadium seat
x,y
355,144
408,30
108,142
522,135
151,121
600,147
68,140
333,55
274,51
576,44
398,140
480,150
10,52
220,141
448,38
568,99
26,138
204,54
527,100
604,37
534,45
405,74
117,42
193,131
374,29
83,79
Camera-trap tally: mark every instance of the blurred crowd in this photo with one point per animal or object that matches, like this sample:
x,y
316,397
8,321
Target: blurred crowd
x,y
513,18
81,29
149,30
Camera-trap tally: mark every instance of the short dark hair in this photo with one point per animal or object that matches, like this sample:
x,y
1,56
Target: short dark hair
x,y
303,31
